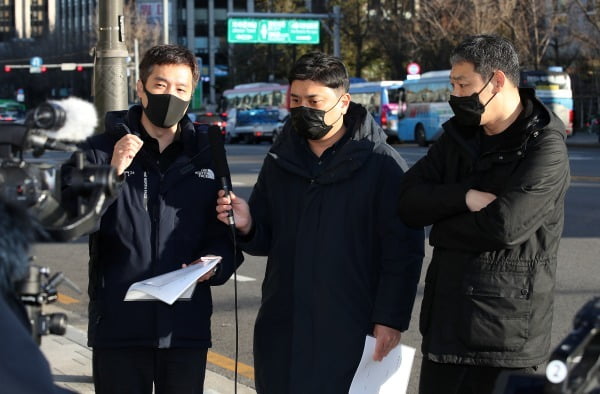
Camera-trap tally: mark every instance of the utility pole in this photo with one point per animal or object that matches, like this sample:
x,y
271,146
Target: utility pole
x,y
211,50
110,61
230,61
337,16
189,25
165,21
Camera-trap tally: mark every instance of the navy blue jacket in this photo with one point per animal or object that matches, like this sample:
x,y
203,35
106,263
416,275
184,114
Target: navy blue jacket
x,y
157,222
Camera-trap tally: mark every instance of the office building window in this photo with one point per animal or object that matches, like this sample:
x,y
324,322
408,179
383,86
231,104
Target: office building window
x,y
7,19
38,12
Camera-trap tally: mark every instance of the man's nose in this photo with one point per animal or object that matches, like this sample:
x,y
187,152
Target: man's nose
x,y
172,90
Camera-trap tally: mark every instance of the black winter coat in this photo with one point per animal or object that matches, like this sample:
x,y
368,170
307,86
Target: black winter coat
x,y
157,222
489,288
339,260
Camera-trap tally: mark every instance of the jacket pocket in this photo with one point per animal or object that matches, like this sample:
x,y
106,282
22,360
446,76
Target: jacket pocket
x,y
496,310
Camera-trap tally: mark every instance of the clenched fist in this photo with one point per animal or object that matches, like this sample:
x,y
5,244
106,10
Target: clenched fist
x,y
124,152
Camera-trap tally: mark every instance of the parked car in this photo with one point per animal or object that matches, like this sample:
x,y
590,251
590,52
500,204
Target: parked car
x,y
11,111
255,125
210,118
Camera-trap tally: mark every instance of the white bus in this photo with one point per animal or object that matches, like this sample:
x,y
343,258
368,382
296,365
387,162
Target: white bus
x,y
553,88
426,107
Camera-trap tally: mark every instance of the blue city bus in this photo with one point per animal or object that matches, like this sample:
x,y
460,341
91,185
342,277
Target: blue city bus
x,y
382,99
553,88
425,107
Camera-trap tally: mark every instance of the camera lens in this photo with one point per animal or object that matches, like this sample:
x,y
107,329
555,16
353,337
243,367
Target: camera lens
x,y
56,323
49,116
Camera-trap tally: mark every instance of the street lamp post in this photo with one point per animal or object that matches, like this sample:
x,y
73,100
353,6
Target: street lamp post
x,y
110,61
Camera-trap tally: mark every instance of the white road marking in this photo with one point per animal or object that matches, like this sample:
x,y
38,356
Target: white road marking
x,y
242,278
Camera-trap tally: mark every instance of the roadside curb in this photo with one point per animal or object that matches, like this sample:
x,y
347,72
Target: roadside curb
x,y
71,361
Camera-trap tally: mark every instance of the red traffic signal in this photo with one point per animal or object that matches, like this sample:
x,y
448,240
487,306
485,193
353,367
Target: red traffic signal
x,y
43,69
7,69
79,68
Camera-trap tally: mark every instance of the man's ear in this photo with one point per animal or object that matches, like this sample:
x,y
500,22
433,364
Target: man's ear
x,y
346,101
139,88
499,81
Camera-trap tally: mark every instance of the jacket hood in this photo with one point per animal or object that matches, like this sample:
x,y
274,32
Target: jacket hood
x,y
363,137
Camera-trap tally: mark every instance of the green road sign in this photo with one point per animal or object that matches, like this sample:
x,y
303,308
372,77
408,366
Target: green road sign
x,y
272,31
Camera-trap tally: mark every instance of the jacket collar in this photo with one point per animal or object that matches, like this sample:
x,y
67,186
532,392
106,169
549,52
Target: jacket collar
x,y
120,123
534,119
363,135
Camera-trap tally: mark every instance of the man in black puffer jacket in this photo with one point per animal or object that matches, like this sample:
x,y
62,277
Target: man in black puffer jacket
x,y
162,217
493,189
341,264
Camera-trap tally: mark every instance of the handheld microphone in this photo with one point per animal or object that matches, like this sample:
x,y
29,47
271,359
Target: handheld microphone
x,y
217,148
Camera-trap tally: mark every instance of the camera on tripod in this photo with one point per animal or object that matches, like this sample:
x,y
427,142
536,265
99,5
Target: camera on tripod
x,y
37,290
34,185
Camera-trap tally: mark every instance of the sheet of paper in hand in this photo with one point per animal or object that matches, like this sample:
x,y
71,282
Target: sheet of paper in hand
x,y
389,376
172,286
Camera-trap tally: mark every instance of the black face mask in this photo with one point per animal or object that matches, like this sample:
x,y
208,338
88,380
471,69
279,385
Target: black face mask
x,y
164,110
468,109
310,122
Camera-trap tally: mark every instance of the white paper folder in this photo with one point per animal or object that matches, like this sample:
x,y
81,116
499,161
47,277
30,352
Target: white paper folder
x,y
172,286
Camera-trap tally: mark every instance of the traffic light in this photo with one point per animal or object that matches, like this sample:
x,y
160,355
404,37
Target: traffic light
x,y
7,69
43,69
79,68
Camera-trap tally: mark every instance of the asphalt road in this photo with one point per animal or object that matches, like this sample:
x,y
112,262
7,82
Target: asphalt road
x,y
578,270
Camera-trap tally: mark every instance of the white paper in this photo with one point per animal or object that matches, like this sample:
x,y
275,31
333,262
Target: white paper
x,y
388,376
169,287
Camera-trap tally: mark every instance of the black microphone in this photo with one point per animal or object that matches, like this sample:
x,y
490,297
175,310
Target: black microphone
x,y
217,148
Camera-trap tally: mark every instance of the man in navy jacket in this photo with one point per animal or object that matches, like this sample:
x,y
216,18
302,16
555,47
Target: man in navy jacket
x,y
161,218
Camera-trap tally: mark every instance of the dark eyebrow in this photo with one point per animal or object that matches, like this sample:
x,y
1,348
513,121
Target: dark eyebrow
x,y
178,84
310,96
459,78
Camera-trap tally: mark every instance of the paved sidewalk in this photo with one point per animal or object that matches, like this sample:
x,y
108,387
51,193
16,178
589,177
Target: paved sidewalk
x,y
71,363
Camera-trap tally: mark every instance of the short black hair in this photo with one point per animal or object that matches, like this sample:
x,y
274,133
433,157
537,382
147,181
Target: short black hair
x,y
488,53
320,67
168,54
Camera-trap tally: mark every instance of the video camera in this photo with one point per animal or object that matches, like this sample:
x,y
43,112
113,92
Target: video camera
x,y
35,186
54,125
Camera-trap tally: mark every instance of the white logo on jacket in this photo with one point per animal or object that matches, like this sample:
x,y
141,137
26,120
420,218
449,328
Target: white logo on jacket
x,y
205,173
128,173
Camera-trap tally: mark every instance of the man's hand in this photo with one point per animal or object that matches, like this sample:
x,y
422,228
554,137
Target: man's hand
x,y
241,211
477,200
386,338
124,152
207,275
